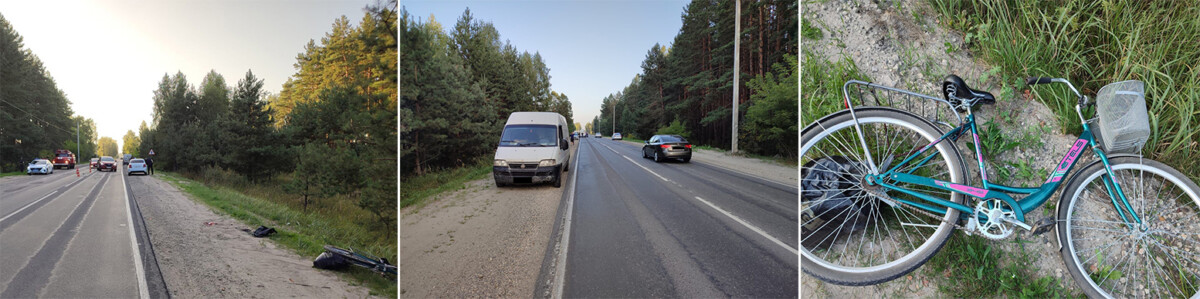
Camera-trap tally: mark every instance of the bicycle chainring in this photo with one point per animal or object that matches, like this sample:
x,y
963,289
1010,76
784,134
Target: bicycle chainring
x,y
999,215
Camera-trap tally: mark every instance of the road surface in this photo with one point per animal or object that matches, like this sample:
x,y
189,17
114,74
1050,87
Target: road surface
x,y
63,236
643,229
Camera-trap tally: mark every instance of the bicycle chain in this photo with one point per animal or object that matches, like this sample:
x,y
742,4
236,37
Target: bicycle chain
x,y
884,197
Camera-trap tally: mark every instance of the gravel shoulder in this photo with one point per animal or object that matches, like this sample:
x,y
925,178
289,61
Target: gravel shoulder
x,y
902,45
479,241
199,260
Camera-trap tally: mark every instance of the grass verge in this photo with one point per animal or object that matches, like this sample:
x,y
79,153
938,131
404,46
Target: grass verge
x,y
1094,43
304,233
11,173
416,190
969,267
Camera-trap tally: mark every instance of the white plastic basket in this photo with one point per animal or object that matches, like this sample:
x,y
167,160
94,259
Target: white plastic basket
x,y
1124,124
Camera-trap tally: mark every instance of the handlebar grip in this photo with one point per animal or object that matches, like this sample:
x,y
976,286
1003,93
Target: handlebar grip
x,y
1037,80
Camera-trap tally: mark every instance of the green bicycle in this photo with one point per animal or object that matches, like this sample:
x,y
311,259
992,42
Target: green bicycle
x,y
882,189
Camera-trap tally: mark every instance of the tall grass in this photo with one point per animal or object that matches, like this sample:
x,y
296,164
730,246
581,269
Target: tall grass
x,y
418,189
1093,43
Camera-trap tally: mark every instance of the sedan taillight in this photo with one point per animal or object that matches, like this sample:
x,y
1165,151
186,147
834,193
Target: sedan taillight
x,y
687,145
665,146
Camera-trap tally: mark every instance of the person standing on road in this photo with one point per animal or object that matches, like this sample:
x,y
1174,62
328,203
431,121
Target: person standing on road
x,y
150,165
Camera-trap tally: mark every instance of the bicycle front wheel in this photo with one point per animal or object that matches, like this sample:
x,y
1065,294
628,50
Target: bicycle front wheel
x,y
848,235
1112,255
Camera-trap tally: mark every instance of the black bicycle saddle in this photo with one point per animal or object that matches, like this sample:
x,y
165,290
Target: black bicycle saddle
x,y
957,92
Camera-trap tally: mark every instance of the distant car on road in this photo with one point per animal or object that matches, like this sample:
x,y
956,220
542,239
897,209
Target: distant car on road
x,y
598,135
107,162
94,163
616,136
39,166
661,147
137,165
126,158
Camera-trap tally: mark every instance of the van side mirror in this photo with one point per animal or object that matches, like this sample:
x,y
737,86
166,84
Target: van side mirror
x,y
564,145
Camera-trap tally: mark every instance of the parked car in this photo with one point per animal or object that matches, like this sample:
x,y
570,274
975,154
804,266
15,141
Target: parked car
x,y
64,158
126,158
94,163
107,162
533,149
598,135
39,166
616,136
136,165
661,147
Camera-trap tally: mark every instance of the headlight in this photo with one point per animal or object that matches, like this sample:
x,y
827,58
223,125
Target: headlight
x,y
547,162
500,163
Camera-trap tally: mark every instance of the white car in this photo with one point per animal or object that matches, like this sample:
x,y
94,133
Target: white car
x,y
136,165
534,148
40,166
616,136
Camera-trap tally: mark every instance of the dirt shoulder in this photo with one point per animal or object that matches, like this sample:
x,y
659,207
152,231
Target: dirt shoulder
x,y
199,260
479,241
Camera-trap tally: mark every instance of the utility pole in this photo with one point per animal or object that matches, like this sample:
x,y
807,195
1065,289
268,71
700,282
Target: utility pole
x,y
613,108
76,142
737,42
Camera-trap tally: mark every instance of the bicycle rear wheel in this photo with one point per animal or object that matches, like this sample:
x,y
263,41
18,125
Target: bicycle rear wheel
x,y
1115,257
850,237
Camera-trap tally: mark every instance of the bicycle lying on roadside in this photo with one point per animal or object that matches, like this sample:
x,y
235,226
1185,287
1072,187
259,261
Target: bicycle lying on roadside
x,y
883,189
377,264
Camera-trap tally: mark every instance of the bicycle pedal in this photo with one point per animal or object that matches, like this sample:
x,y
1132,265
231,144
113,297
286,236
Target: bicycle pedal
x,y
1044,225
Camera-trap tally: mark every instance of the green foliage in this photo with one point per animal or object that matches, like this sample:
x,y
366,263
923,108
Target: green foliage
x,y
130,143
821,86
770,128
972,269
691,80
808,31
251,144
107,147
675,128
35,116
418,189
1151,41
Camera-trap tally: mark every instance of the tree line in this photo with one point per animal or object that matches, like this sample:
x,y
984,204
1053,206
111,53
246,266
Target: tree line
x,y
332,126
687,88
35,116
458,89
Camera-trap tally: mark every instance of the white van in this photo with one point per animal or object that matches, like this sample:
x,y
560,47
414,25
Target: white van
x,y
534,148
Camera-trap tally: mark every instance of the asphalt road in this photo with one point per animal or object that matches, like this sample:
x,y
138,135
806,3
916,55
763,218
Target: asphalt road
x,y
643,229
63,236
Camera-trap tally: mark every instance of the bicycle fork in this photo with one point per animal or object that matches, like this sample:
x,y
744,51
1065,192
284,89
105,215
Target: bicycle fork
x,y
1113,188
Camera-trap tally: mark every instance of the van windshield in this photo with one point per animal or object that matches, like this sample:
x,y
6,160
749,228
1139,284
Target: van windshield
x,y
529,135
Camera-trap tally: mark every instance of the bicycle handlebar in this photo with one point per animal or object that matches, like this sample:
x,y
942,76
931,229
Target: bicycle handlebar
x,y
1037,80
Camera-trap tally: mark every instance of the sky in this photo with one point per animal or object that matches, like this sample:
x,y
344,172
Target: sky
x,y
108,56
593,48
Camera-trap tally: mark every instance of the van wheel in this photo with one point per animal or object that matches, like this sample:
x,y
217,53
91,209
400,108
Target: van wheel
x,y
498,183
557,180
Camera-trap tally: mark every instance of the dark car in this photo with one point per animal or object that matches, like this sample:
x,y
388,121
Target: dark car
x,y
661,147
107,162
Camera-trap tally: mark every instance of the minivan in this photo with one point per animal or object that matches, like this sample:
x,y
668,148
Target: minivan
x,y
533,149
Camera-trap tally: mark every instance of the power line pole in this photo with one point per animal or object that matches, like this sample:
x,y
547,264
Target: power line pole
x,y
77,152
737,42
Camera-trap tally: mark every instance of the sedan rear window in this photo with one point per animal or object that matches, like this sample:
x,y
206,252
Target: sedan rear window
x,y
137,161
671,139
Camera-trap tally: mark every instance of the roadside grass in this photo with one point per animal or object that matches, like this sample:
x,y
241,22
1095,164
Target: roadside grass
x,y
821,85
11,173
418,189
303,232
1094,43
969,267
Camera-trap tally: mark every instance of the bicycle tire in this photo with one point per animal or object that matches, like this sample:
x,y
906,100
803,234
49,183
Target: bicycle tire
x,y
1069,236
870,275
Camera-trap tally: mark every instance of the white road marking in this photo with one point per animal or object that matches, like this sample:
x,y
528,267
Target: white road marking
x,y
560,273
750,226
638,165
28,205
143,291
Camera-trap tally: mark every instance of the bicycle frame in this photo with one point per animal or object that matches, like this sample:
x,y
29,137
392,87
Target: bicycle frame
x,y
1036,197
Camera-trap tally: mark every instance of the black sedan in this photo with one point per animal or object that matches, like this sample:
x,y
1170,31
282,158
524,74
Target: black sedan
x,y
662,147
